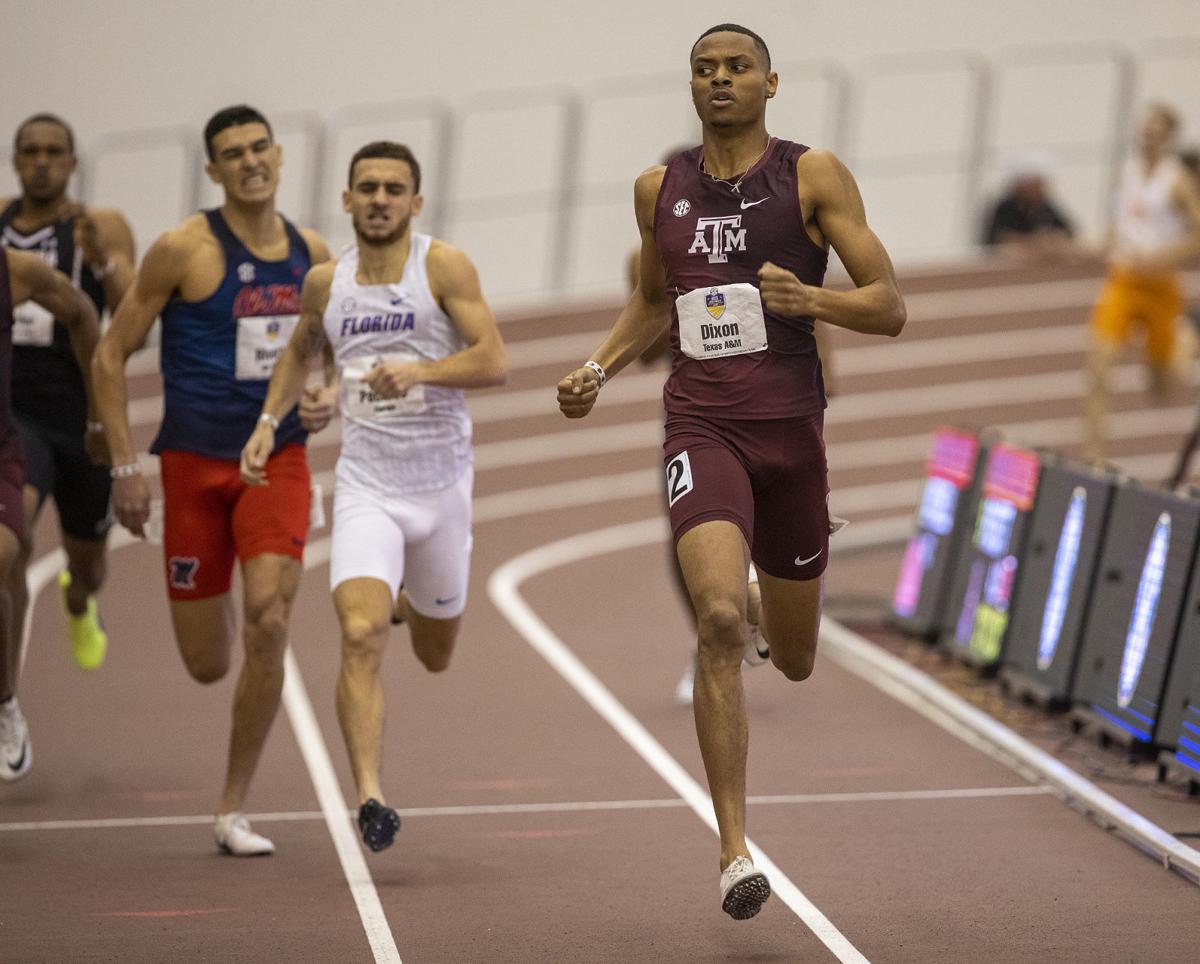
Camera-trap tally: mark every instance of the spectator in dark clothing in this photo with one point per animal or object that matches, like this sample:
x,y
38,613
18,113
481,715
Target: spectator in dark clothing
x,y
1024,220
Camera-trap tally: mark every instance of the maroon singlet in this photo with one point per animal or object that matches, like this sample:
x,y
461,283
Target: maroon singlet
x,y
709,234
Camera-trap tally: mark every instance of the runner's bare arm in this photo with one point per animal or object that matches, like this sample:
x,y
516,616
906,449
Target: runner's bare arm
x,y
455,284
306,343
106,240
34,279
318,405
874,306
162,272
290,372
643,318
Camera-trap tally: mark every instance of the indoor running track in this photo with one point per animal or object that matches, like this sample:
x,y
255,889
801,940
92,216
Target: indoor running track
x,y
550,787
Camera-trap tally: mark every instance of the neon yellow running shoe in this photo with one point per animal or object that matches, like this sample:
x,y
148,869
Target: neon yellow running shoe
x,y
88,638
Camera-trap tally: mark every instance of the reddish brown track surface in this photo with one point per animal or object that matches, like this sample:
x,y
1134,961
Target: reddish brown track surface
x,y
860,822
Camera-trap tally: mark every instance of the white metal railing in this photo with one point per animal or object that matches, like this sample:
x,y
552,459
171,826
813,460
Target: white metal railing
x,y
542,178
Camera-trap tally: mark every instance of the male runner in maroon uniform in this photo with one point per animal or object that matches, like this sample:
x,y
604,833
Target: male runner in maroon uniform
x,y
735,236
24,276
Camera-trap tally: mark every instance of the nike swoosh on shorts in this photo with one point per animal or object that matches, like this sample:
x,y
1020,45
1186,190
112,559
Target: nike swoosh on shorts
x,y
805,562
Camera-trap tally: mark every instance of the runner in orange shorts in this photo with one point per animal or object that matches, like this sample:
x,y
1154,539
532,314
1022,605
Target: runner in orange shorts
x,y
1157,228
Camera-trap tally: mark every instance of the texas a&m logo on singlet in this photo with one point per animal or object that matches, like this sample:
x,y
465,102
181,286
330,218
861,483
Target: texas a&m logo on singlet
x,y
716,237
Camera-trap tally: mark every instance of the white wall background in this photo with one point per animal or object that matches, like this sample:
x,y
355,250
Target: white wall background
x,y
504,71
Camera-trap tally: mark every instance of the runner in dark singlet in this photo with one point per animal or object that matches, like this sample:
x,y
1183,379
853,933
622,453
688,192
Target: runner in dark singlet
x,y
23,277
227,285
64,443
735,235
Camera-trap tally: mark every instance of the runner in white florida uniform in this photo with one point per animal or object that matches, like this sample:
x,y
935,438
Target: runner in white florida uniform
x,y
409,329
402,507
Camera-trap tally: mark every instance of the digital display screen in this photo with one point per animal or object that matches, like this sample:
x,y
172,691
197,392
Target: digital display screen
x,y
1009,486
918,557
1145,609
1066,558
949,470
938,502
1188,744
953,457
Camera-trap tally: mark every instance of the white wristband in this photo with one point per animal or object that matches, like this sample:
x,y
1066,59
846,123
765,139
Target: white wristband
x,y
270,420
600,372
125,471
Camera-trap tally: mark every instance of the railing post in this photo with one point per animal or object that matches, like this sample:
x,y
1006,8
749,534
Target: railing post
x,y
979,146
561,238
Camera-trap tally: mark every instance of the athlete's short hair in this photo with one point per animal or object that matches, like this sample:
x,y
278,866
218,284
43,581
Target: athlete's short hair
x,y
229,117
391,150
1168,113
44,118
737,28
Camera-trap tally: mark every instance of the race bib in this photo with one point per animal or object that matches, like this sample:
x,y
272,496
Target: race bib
x,y
32,325
721,321
361,402
260,342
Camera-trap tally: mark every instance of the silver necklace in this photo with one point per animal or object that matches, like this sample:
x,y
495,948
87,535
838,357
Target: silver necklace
x,y
735,186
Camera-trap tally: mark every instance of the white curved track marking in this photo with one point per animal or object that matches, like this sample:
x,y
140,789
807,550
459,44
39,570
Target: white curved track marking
x,y
504,590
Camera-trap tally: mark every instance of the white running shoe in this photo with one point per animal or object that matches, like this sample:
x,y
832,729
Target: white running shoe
x,y
744,889
683,689
235,837
757,651
16,755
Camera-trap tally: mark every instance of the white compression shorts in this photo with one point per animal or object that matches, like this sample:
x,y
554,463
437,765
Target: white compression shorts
x,y
422,540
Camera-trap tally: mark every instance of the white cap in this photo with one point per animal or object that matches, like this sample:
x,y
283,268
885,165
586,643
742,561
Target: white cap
x,y
1030,162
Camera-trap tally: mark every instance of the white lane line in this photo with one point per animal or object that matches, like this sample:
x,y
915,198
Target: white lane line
x,y
504,590
896,796
956,398
329,793
972,301
984,301
337,817
868,453
312,748
889,356
504,809
934,701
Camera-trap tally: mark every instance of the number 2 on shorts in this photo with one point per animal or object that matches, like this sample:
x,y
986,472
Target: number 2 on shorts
x,y
679,478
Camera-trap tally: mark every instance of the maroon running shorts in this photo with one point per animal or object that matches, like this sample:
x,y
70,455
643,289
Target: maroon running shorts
x,y
766,476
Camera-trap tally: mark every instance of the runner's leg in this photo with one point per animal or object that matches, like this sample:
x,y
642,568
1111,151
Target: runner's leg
x,y
715,559
270,584
364,607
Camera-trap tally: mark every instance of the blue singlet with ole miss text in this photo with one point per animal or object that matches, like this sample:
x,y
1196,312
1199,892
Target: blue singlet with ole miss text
x,y
208,409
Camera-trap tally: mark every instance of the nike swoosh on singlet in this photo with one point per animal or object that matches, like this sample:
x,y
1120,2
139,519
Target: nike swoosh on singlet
x,y
750,204
804,562
444,602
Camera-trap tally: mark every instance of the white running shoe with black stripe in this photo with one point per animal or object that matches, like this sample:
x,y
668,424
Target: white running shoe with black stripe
x,y
757,651
16,754
234,836
744,889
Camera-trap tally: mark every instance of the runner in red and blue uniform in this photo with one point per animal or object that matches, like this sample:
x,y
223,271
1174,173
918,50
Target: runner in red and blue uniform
x,y
227,284
24,276
735,235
